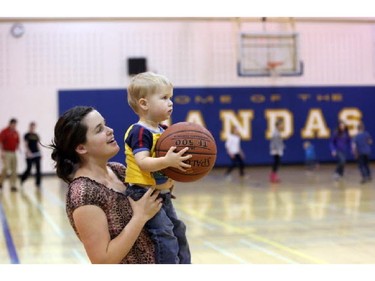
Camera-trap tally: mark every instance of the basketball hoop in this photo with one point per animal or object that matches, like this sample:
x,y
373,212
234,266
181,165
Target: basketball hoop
x,y
272,67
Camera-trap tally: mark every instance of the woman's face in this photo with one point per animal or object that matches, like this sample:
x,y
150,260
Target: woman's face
x,y
100,139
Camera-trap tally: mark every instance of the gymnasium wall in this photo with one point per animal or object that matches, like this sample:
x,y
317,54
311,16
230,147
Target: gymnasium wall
x,y
199,56
309,113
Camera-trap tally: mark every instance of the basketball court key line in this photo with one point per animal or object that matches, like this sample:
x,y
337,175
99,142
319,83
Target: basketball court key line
x,y
58,201
53,198
80,257
225,252
268,252
48,218
196,221
216,223
250,235
8,237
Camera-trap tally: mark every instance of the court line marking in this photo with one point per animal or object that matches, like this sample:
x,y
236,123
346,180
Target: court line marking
x,y
48,218
80,257
252,236
53,198
56,201
266,251
225,252
229,227
197,222
8,237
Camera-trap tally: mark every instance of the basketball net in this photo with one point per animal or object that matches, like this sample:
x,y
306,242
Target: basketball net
x,y
272,67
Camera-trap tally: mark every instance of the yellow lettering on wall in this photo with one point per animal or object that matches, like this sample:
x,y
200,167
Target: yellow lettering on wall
x,y
323,97
272,115
351,116
275,97
225,99
315,126
195,116
181,99
242,121
204,100
337,97
304,97
257,98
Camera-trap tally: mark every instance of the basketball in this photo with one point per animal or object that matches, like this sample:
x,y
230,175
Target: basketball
x,y
201,145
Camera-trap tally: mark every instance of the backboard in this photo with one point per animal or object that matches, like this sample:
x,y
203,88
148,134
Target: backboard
x,y
269,54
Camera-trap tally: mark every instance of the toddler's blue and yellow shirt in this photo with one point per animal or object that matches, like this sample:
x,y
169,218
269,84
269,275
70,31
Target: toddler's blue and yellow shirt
x,y
140,138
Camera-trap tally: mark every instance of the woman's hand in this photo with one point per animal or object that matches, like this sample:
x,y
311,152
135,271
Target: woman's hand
x,y
147,206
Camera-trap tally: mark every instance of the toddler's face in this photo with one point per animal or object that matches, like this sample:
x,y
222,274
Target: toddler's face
x,y
160,105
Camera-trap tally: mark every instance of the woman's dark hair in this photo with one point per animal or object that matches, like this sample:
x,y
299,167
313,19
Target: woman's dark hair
x,y
70,131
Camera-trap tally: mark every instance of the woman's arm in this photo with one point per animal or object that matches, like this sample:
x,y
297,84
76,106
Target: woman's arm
x,y
92,226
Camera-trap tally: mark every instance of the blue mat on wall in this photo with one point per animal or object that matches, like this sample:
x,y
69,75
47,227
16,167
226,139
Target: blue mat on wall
x,y
210,103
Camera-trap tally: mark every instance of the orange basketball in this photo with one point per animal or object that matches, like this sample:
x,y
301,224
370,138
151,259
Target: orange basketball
x,y
201,145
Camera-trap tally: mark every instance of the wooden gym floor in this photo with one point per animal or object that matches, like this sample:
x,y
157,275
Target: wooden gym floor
x,y
306,219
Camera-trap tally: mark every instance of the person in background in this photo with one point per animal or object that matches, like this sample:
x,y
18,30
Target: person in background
x,y
310,156
108,223
9,143
361,146
340,146
235,152
33,155
276,150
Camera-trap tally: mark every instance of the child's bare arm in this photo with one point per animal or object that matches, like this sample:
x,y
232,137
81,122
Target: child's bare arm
x,y
171,159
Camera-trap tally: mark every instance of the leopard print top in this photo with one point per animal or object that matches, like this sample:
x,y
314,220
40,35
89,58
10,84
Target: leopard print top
x,y
85,191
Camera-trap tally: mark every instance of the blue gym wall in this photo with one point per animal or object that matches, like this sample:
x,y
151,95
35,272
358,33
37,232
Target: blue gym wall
x,y
113,106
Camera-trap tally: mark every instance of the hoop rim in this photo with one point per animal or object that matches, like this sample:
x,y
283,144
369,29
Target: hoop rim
x,y
272,65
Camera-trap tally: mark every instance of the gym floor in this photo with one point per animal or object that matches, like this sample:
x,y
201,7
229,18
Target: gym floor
x,y
307,218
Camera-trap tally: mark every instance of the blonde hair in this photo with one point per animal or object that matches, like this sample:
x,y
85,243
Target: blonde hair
x,y
145,84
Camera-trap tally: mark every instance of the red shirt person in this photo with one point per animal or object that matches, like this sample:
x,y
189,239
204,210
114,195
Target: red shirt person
x,y
9,142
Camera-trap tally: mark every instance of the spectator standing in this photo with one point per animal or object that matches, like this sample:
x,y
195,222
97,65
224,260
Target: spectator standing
x,y
340,145
9,143
235,152
310,156
276,150
362,150
33,155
